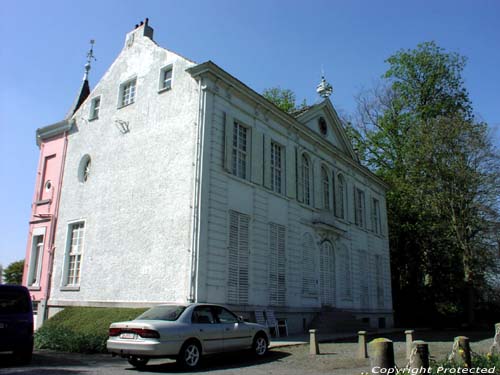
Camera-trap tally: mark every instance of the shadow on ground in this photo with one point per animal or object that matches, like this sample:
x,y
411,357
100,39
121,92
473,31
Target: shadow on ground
x,y
219,362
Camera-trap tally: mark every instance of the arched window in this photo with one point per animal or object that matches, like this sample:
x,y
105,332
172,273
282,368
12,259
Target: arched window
x,y
306,179
341,196
325,180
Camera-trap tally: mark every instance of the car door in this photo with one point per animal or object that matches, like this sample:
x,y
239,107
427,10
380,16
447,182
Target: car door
x,y
207,329
237,334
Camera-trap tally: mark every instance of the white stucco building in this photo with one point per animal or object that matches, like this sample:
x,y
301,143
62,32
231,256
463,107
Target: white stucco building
x,y
181,183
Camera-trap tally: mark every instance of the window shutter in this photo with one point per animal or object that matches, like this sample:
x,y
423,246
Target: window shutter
x,y
267,161
300,187
317,185
228,141
277,266
309,285
291,178
256,156
238,250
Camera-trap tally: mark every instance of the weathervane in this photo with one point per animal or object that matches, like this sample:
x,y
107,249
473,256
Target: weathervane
x,y
324,89
90,57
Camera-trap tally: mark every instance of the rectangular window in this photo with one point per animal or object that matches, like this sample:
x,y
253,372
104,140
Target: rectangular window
x,y
240,150
359,207
35,261
276,167
166,78
94,108
238,258
127,92
277,265
74,254
376,216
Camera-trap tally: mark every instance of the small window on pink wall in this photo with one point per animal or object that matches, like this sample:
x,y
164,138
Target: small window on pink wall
x,y
48,177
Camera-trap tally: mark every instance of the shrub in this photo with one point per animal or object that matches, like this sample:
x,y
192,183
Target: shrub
x,y
81,329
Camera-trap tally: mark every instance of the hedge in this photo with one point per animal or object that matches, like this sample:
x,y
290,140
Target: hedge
x,y
81,329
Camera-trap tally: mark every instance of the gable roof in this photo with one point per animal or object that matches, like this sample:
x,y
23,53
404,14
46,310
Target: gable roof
x,y
326,108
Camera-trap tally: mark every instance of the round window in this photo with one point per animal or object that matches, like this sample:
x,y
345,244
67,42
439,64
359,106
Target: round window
x,y
48,185
323,128
84,168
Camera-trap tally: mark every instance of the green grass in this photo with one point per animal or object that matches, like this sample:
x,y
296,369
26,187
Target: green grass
x,y
81,329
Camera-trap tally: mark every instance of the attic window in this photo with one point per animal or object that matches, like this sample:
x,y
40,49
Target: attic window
x,y
322,126
166,78
127,93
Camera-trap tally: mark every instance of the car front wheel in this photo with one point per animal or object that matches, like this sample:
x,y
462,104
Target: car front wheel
x,y
138,362
260,345
190,355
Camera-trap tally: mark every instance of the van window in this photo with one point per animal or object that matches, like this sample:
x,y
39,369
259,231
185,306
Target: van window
x,y
12,302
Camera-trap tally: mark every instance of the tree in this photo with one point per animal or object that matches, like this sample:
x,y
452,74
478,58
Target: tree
x,y
417,131
283,99
13,273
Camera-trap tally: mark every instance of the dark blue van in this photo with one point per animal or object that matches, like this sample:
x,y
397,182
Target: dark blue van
x,y
16,322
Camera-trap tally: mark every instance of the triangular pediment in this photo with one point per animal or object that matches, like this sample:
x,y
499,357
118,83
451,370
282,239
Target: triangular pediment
x,y
324,120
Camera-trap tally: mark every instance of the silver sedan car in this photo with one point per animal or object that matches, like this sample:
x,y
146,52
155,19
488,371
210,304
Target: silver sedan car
x,y
185,332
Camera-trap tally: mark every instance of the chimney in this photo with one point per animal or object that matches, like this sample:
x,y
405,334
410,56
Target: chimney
x,y
140,30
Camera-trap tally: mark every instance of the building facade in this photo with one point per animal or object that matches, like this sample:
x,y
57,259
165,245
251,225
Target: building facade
x,y
180,183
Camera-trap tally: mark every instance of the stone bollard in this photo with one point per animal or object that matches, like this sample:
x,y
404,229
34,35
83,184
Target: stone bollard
x,y
409,340
362,350
381,355
496,340
461,349
420,355
313,342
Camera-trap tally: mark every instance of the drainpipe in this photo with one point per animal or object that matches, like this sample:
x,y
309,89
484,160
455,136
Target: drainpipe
x,y
193,280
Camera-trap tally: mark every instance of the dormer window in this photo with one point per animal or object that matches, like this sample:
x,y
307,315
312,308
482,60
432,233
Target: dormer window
x,y
127,92
95,105
166,78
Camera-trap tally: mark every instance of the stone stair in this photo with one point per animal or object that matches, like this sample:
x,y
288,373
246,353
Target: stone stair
x,y
336,321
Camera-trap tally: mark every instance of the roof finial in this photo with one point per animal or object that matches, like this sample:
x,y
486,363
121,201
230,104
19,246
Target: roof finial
x,y
90,56
324,89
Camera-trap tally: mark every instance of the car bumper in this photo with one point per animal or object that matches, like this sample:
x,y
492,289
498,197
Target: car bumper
x,y
146,348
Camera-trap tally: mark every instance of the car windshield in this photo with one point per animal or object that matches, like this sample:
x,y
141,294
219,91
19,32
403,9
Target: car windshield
x,y
170,312
12,302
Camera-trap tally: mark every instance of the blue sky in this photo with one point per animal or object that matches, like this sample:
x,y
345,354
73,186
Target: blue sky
x,y
263,43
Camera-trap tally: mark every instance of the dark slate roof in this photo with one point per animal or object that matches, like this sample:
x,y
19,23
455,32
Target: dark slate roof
x,y
80,98
300,111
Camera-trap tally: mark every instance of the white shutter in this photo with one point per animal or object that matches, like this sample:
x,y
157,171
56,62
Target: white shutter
x,y
327,274
309,286
291,176
267,161
380,281
257,156
238,250
277,266
228,141
363,271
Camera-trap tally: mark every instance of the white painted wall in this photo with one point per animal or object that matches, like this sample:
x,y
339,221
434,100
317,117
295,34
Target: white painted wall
x,y
136,203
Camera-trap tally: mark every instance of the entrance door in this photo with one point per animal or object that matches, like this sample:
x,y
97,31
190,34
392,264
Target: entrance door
x,y
327,274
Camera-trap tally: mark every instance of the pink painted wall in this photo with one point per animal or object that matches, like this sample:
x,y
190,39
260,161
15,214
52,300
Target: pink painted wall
x,y
43,219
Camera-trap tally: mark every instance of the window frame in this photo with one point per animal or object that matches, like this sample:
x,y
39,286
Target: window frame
x,y
121,92
66,285
359,207
236,151
161,82
35,264
94,111
277,171
376,217
306,178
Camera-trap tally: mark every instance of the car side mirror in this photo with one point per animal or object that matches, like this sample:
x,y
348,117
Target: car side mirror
x,y
240,319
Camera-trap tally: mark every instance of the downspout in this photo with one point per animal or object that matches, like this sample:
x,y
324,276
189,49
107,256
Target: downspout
x,y
52,233
195,243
